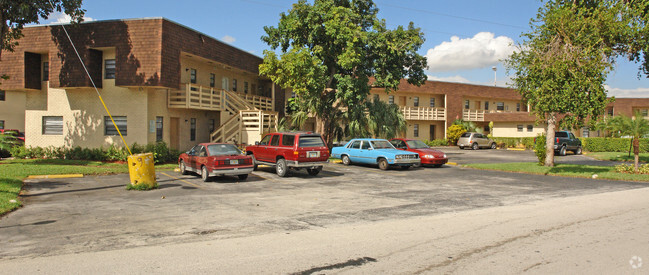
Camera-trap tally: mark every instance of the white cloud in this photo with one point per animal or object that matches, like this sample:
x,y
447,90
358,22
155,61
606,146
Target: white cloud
x,y
228,39
455,78
618,92
482,50
60,17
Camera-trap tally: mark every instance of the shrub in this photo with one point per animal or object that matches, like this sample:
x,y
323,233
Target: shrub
x,y
539,148
512,142
436,142
161,152
624,168
597,144
454,133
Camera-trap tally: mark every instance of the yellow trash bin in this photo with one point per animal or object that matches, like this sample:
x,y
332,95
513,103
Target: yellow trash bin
x,y
141,170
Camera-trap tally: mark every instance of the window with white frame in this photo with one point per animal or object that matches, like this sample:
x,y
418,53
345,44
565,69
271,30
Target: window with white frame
x,y
234,85
518,107
46,71
466,104
416,101
432,102
245,87
500,106
192,130
486,105
530,128
644,112
192,76
416,128
585,132
109,127
391,99
109,69
53,125
212,80
520,128
158,128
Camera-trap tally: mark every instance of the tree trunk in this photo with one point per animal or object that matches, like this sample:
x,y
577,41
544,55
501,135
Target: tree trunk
x,y
321,128
549,139
636,153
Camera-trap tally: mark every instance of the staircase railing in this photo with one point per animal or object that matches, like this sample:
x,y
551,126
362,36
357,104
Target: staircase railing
x,y
228,131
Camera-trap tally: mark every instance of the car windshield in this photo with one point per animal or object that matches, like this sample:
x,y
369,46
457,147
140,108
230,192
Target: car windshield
x,y
466,135
381,144
223,150
416,144
311,142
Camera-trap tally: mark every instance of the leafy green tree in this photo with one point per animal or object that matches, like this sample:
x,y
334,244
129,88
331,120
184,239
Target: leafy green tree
x,y
636,127
385,120
454,133
561,67
328,51
14,15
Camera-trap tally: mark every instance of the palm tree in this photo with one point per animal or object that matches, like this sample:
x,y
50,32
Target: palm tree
x,y
385,120
636,127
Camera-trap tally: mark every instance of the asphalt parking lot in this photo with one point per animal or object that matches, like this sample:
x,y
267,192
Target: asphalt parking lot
x,y
96,213
465,156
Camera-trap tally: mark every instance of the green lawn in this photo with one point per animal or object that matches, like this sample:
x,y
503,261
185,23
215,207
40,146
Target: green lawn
x,y
12,173
566,170
617,156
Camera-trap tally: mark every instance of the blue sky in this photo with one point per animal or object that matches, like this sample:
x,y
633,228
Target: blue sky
x,y
464,39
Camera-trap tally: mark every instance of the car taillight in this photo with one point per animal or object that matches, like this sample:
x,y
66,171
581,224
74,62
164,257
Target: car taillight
x,y
557,140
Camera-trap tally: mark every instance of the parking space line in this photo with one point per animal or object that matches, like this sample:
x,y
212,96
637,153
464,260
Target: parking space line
x,y
195,185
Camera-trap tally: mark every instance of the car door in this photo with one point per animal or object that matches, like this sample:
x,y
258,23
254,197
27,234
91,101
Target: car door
x,y
573,144
482,140
366,152
201,158
192,155
354,151
273,148
262,149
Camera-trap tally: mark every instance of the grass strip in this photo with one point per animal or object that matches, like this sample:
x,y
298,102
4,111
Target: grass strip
x,y
12,173
564,170
617,156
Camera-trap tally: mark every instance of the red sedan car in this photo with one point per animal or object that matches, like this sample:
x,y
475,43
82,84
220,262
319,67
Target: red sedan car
x,y
215,159
428,156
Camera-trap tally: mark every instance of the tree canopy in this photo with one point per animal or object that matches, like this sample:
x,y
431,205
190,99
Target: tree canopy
x,y
332,52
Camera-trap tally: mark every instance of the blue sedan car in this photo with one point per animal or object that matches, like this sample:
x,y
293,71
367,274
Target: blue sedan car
x,y
375,151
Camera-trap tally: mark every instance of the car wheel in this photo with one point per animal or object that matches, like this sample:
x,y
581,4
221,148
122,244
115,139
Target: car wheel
x,y
314,171
281,168
437,166
461,147
578,151
204,174
562,151
243,177
254,163
475,146
383,164
493,145
183,168
346,160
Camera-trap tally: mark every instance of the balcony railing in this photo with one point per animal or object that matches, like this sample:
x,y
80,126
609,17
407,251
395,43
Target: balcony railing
x,y
473,115
195,96
423,113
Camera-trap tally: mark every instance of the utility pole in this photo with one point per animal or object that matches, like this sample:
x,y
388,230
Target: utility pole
x,y
494,68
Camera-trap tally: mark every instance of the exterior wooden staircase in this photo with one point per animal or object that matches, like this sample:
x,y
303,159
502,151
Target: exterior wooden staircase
x,y
250,116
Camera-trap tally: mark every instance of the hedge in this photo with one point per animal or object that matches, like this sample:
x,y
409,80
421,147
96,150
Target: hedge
x,y
512,142
599,144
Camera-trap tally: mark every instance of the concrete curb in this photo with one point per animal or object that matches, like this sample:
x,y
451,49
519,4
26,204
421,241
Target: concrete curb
x,y
451,163
515,149
55,176
335,161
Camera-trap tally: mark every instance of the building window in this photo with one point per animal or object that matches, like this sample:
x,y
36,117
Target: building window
x,y
192,130
518,107
46,71
466,104
520,128
432,102
210,125
53,125
192,76
610,112
486,128
234,85
486,105
109,69
212,80
585,132
2,95
110,129
391,99
416,101
530,128
225,82
245,87
644,112
158,128
416,130
2,124
500,106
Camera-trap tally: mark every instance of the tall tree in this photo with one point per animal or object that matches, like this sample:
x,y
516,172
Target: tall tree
x,y
329,50
636,127
561,67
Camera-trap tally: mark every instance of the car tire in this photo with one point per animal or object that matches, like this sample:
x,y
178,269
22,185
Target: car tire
x,y
493,145
475,146
254,163
243,177
281,169
562,151
204,174
383,164
461,147
183,168
437,165
346,160
578,151
314,171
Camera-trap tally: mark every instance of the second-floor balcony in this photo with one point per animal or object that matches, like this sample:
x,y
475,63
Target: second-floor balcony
x,y
194,96
423,113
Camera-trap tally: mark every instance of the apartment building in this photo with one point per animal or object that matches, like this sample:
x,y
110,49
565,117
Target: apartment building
x,y
161,81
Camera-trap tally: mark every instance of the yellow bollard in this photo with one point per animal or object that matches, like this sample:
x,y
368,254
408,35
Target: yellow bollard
x,y
141,170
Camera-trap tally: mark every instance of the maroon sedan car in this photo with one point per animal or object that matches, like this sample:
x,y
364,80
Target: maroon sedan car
x,y
428,156
215,159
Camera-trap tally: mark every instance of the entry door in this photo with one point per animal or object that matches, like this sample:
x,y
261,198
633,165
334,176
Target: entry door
x,y
432,132
174,139
402,101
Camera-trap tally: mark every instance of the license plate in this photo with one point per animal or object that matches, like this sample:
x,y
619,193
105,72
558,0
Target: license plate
x,y
313,154
234,162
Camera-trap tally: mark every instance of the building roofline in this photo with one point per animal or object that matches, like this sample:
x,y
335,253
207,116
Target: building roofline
x,y
148,18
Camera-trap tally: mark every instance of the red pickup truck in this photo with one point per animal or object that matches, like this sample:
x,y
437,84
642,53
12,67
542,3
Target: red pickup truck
x,y
291,150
